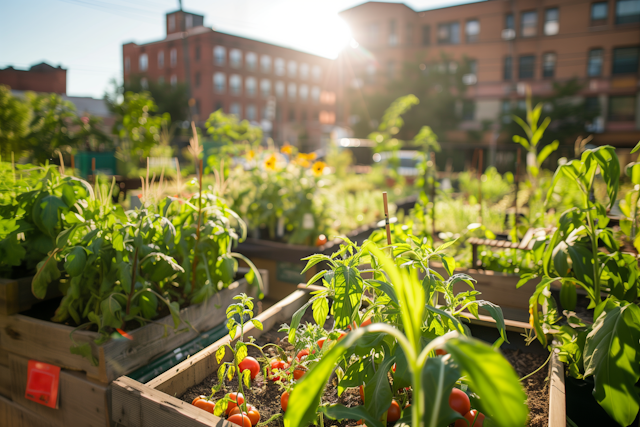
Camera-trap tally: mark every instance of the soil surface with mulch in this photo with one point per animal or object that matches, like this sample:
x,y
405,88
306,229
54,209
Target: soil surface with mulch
x,y
265,394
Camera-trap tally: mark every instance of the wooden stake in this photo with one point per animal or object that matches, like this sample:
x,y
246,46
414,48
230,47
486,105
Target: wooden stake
x,y
93,166
386,217
73,162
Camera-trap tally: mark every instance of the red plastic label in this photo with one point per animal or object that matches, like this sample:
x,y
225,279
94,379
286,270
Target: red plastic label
x,y
42,383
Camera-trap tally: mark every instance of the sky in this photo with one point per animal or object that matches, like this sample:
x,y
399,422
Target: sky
x,y
86,36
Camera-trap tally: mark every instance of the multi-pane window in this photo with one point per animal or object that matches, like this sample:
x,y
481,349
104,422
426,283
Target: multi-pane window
x,y
373,31
449,33
235,58
236,110
250,86
197,53
393,33
219,82
251,112
507,72
265,63
627,11
219,55
426,35
280,89
291,90
526,67
197,80
472,30
265,88
622,108
304,71
409,34
316,73
292,68
143,62
592,105
161,59
315,94
548,65
595,62
279,67
529,24
304,92
625,60
509,22
188,21
599,12
173,57
252,61
551,22
235,84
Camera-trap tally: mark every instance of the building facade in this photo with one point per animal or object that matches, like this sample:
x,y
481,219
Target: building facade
x,y
290,93
512,44
38,78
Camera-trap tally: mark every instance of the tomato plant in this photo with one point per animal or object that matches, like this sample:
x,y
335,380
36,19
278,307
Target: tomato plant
x,y
251,364
459,401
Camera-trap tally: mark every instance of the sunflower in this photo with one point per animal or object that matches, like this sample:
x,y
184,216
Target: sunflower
x,y
270,163
250,155
318,168
311,156
286,149
302,160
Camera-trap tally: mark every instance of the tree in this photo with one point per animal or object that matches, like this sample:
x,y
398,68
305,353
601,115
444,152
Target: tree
x,y
171,99
14,124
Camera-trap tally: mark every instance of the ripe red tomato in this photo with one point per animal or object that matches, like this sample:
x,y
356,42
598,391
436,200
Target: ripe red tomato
x,y
298,373
440,352
320,342
198,398
468,419
302,354
322,239
393,413
205,404
342,335
459,401
284,401
252,413
236,399
366,323
240,419
251,364
362,393
276,366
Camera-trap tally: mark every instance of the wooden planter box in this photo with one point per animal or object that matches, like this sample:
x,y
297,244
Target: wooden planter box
x,y
155,404
16,295
85,390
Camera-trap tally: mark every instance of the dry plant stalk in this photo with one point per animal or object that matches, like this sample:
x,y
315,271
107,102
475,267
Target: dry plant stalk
x,y
195,149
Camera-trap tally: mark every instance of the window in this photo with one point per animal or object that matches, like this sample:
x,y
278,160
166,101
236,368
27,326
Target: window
x,y
627,11
315,94
509,22
127,65
292,67
219,55
594,65
393,33
235,84
548,65
252,62
304,92
473,67
526,67
529,24
235,58
468,110
592,105
373,31
143,62
188,20
280,89
251,112
236,110
219,82
599,12
265,113
172,22
144,83
291,90
174,80
449,33
625,60
316,72
265,88
409,34
472,30
197,53
304,71
507,72
279,67
551,22
197,80
161,59
506,111
173,57
265,63
426,35
622,108
250,86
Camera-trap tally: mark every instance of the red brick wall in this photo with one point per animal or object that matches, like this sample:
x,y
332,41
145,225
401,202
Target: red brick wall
x,y
54,80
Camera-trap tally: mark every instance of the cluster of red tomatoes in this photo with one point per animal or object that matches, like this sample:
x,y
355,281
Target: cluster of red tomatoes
x,y
459,402
234,409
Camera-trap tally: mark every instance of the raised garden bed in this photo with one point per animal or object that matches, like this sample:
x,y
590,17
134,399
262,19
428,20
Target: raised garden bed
x,y
166,400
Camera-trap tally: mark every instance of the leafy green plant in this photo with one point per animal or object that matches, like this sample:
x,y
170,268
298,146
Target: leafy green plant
x,y
15,116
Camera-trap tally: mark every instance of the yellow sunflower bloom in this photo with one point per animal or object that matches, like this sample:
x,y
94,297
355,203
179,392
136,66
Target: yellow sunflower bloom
x,y
301,159
250,155
270,163
318,168
286,149
311,156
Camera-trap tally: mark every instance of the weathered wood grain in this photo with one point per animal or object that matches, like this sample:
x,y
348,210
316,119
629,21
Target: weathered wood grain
x,y
557,397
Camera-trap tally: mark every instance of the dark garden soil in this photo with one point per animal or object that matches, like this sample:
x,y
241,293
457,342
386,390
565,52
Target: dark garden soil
x,y
265,394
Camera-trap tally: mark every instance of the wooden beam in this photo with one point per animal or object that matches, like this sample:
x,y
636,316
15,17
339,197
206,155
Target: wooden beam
x,y
13,415
5,381
557,396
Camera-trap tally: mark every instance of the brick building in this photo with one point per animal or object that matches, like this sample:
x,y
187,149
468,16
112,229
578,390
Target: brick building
x,y
291,93
512,43
39,78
